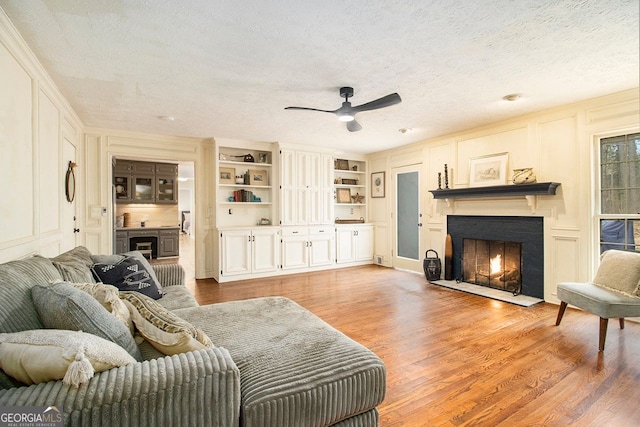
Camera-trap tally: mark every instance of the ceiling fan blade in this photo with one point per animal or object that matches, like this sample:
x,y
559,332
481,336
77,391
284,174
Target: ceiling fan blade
x,y
385,101
353,126
310,109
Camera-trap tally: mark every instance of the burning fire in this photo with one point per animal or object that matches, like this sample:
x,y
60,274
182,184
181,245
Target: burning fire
x,y
496,264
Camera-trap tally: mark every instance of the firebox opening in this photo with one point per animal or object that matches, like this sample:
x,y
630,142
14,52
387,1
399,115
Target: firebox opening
x,y
493,263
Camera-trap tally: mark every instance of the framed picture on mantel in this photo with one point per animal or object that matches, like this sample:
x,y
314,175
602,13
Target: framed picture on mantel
x,y
488,170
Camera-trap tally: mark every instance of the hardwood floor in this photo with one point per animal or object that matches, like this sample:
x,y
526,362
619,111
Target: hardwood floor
x,y
455,359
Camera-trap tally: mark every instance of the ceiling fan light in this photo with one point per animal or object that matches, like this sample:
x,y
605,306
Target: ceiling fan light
x,y
346,117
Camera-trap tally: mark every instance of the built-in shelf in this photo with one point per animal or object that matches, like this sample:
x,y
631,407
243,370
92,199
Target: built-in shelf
x,y
529,191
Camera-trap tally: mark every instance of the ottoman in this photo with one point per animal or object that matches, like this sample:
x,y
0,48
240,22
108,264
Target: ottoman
x,y
295,369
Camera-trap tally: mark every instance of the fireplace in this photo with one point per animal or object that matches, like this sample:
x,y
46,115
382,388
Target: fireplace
x,y
492,263
526,238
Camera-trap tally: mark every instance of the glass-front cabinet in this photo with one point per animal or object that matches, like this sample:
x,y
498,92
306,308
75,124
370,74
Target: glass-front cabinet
x,y
144,189
166,188
145,182
123,189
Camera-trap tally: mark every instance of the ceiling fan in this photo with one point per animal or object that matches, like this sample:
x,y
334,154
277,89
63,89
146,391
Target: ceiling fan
x,y
347,113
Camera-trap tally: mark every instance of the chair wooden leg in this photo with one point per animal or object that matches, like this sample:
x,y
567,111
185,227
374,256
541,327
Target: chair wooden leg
x,y
603,332
563,307
622,323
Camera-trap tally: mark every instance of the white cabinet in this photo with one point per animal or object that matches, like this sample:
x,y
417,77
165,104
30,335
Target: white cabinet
x,y
305,188
354,243
249,251
304,247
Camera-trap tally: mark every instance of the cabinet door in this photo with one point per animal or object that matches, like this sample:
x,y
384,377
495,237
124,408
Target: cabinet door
x,y
295,252
345,245
288,190
169,169
124,167
123,188
122,242
145,168
364,243
144,189
321,250
264,250
326,188
166,190
235,249
169,245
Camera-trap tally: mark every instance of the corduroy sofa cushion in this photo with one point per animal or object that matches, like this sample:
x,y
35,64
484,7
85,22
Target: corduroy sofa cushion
x,y
17,312
295,368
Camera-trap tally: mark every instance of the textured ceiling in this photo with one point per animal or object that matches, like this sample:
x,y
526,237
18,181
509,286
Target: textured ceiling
x,y
228,68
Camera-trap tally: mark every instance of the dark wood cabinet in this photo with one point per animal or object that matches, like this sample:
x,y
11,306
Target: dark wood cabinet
x,y
145,182
165,240
169,243
122,242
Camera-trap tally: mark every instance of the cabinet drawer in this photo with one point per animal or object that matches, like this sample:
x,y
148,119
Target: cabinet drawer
x,y
294,231
321,229
167,169
169,232
142,233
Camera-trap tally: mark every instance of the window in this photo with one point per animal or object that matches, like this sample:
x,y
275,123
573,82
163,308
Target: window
x,y
620,193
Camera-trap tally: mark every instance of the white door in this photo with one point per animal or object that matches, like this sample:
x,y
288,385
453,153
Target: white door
x,y
265,250
69,218
236,252
407,219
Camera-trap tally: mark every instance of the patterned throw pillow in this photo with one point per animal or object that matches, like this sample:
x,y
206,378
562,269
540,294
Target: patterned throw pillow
x,y
61,306
108,297
42,355
164,330
128,274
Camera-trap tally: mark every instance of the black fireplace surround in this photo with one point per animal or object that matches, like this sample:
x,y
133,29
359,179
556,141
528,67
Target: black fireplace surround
x,y
526,230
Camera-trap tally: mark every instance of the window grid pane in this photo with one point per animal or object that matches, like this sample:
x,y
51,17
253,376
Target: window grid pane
x,y
620,192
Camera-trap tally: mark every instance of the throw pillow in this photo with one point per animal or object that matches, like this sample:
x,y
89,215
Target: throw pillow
x,y
107,296
75,265
42,355
114,259
165,331
128,274
620,271
61,306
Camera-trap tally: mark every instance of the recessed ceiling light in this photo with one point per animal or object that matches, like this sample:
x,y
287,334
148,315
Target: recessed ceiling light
x,y
512,97
167,118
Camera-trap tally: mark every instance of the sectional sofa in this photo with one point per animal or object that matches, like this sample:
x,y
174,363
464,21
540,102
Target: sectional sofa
x,y
273,363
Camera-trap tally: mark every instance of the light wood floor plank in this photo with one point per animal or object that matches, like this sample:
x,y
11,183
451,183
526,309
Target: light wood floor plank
x,y
455,359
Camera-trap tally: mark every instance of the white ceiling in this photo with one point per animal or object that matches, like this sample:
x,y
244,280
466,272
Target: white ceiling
x,y
228,68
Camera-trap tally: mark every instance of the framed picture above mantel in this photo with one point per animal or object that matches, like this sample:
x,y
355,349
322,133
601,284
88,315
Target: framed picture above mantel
x,y
488,170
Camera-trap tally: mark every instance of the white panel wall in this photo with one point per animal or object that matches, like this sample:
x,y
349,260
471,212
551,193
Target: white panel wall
x,y
16,143
559,144
49,178
33,114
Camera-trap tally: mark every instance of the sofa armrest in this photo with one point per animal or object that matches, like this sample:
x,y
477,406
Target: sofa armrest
x,y
195,388
169,274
